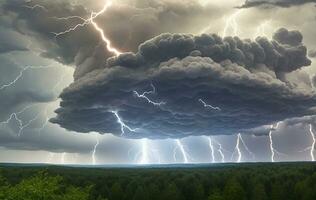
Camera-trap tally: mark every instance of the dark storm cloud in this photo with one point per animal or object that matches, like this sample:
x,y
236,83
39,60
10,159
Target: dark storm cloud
x,y
279,3
83,47
238,76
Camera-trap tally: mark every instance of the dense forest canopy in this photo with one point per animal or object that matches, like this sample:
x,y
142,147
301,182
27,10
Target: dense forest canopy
x,y
291,181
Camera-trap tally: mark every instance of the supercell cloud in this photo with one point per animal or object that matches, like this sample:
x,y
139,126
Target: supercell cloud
x,y
178,85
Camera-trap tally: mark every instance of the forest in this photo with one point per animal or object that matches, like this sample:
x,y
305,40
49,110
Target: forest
x,y
261,181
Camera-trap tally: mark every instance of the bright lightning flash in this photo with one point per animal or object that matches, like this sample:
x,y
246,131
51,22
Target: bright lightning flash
x,y
183,152
143,95
272,148
209,106
90,20
95,149
312,147
122,124
210,142
231,24
144,152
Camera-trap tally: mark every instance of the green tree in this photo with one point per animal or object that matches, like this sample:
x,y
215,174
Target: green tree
x,y
140,194
215,195
45,187
39,187
4,187
259,192
153,192
74,193
171,192
233,190
116,192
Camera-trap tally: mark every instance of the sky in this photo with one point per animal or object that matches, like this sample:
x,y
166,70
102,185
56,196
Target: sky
x,y
157,82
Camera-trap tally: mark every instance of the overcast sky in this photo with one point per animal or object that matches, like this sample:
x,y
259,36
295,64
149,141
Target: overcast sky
x,y
176,77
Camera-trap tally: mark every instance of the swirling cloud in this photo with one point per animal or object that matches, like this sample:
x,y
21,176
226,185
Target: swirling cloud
x,y
245,79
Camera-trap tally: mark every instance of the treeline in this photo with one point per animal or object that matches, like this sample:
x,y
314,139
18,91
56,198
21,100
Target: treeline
x,y
293,181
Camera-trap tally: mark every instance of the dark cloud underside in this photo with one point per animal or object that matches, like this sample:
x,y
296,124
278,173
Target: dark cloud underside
x,y
279,3
244,78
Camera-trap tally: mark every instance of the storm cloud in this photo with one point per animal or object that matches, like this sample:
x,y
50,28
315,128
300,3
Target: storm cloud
x,y
135,22
176,73
279,3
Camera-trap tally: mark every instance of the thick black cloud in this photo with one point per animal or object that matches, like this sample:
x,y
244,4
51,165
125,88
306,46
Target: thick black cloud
x,y
279,3
83,47
238,76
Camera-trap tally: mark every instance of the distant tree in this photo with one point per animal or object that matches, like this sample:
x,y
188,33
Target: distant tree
x,y
153,192
171,192
215,194
277,191
233,190
116,192
140,194
259,192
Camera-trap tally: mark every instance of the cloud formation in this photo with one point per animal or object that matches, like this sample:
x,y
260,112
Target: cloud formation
x,y
244,78
135,22
279,3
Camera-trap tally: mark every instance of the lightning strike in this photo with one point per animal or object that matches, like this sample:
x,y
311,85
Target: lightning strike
x,y
220,150
94,161
209,106
20,75
122,124
183,152
237,149
211,148
36,6
231,24
15,116
245,146
21,128
272,149
90,20
143,95
63,157
144,152
261,29
312,147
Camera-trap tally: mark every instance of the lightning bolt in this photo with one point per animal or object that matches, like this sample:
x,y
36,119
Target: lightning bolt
x,y
182,150
122,124
237,149
62,158
210,143
90,20
95,149
143,95
28,124
36,6
15,116
220,149
314,141
245,146
209,106
312,147
261,29
272,149
144,158
231,24
20,75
